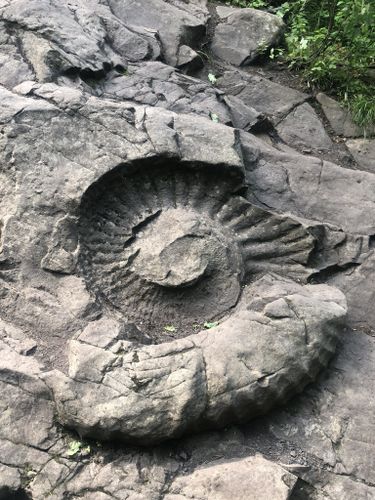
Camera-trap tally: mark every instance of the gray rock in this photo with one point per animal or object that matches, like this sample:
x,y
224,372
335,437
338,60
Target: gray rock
x,y
344,488
13,104
335,248
145,394
26,408
338,117
356,284
245,117
85,99
270,98
363,151
176,22
334,421
63,252
129,475
243,34
188,60
203,242
302,129
156,84
80,145
13,68
252,478
10,482
74,36
27,429
62,97
310,188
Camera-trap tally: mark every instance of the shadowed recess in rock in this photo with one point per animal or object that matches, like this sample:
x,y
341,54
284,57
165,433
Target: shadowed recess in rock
x,y
165,245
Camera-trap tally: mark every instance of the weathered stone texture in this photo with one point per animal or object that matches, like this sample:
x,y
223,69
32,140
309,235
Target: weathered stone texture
x,y
243,34
114,163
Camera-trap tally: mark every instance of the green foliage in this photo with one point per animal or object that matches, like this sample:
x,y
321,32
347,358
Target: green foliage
x,y
209,325
363,108
332,44
170,328
76,447
212,78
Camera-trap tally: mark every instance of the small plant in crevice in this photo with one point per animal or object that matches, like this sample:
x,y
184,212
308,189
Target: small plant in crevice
x,y
208,325
212,78
331,43
170,328
76,447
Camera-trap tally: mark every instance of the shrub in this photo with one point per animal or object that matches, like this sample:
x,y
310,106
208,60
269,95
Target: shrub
x,y
332,44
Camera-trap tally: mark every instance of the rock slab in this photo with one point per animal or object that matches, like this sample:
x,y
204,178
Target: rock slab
x,y
276,341
243,34
252,478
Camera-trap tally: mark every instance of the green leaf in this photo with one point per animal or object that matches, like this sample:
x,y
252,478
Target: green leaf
x,y
209,325
74,448
212,78
303,43
214,118
170,328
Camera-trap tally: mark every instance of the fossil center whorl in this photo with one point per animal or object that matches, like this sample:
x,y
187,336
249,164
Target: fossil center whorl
x,y
173,250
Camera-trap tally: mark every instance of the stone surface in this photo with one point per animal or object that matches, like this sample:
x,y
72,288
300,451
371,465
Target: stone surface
x,y
363,151
270,98
188,60
340,429
177,23
343,488
252,478
155,84
231,372
356,282
303,130
199,245
243,34
245,117
10,482
26,407
87,90
338,117
64,42
311,188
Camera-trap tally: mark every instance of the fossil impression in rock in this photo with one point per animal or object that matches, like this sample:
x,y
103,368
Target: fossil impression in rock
x,y
163,243
174,245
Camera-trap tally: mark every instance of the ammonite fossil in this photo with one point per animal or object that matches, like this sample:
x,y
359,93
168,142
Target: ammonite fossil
x,y
174,245
163,243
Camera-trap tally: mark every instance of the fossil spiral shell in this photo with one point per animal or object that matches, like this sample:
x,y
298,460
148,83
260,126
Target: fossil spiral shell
x,y
175,245
180,244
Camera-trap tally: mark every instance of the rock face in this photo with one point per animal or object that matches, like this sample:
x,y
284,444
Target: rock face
x,y
338,117
274,342
312,188
303,130
254,477
178,24
243,34
164,272
363,151
182,241
270,98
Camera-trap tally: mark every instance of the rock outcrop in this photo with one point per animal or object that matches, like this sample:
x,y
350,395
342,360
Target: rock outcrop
x,y
171,253
273,344
243,34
